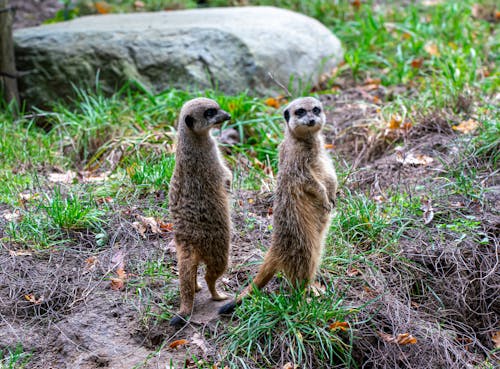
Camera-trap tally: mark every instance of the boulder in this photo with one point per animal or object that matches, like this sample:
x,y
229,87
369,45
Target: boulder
x,y
231,49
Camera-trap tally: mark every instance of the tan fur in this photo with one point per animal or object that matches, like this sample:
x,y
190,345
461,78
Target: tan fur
x,y
305,195
199,202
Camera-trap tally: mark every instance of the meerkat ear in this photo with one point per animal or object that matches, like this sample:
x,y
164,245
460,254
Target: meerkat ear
x,y
189,120
287,115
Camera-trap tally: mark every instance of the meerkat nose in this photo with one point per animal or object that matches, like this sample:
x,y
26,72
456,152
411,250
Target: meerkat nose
x,y
225,115
311,123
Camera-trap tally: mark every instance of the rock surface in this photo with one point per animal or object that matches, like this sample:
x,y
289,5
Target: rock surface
x,y
232,49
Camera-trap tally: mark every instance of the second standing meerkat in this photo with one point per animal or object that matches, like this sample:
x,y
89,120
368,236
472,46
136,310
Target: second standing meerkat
x,y
304,197
199,202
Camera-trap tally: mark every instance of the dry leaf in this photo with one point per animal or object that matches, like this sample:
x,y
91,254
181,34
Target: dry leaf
x,y
495,337
31,298
90,262
20,253
432,49
166,227
356,4
289,365
428,214
178,343
343,326
67,177
117,284
199,341
102,7
417,63
395,122
400,339
120,272
144,224
272,102
11,216
329,146
466,126
413,158
91,177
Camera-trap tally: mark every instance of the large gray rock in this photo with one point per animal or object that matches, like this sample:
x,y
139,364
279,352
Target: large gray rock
x,y
233,49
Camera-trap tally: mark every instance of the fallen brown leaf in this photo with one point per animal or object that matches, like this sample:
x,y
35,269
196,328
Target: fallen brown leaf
x,y
117,284
432,49
12,216
466,126
178,343
395,122
428,214
413,158
417,63
102,7
343,326
31,298
400,339
166,227
272,102
199,341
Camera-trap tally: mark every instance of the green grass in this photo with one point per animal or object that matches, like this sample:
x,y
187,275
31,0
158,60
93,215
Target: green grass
x,y
300,320
14,358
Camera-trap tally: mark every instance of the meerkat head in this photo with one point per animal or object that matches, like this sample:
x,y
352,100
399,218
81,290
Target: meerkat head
x,y
201,114
304,116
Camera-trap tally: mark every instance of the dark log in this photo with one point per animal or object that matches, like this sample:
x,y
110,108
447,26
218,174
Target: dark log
x,y
8,73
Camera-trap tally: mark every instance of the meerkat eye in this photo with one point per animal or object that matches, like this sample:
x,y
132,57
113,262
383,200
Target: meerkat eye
x,y
316,110
300,112
209,113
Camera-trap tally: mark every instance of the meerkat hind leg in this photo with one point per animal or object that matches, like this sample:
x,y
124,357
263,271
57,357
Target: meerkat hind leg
x,y
211,276
187,266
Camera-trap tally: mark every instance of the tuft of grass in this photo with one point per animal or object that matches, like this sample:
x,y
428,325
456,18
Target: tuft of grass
x,y
14,358
72,212
152,173
302,324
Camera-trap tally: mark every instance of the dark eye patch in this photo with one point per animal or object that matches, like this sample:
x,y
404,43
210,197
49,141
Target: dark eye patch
x,y
209,113
316,110
300,112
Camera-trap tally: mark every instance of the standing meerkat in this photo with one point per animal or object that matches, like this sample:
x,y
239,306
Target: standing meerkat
x,y
305,194
199,202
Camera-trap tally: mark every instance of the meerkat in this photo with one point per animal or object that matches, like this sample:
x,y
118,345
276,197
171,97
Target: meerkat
x,y
304,197
199,202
